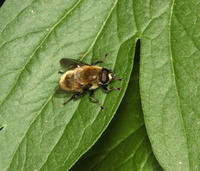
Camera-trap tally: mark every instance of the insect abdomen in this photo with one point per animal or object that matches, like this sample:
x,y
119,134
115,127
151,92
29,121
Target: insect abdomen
x,y
68,83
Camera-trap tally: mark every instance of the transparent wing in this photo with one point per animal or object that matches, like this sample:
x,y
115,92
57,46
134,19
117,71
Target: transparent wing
x,y
71,63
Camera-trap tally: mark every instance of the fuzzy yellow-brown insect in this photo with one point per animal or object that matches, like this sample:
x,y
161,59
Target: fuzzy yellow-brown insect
x,y
82,77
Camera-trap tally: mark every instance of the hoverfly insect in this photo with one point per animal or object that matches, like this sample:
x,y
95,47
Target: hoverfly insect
x,y
81,78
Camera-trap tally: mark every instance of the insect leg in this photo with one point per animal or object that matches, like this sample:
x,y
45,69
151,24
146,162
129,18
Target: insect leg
x,y
86,87
92,99
107,90
74,96
100,61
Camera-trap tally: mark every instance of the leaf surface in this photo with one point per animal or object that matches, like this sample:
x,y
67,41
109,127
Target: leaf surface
x,y
38,133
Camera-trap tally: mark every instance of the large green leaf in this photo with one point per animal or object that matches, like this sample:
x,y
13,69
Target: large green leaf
x,y
169,83
124,145
38,133
34,34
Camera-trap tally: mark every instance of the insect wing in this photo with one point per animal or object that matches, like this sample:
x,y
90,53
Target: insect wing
x,y
59,93
70,63
58,90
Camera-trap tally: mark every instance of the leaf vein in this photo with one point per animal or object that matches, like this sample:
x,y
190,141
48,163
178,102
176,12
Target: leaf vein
x,y
130,156
37,48
116,145
24,35
17,16
40,111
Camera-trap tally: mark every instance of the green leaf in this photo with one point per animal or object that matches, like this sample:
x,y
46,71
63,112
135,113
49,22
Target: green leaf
x,y
169,83
34,35
38,133
124,145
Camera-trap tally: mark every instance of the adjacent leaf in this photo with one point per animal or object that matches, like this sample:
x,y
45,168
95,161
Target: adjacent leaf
x,y
40,134
124,145
169,77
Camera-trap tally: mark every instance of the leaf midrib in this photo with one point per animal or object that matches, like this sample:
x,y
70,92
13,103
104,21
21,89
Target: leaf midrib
x,y
48,34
